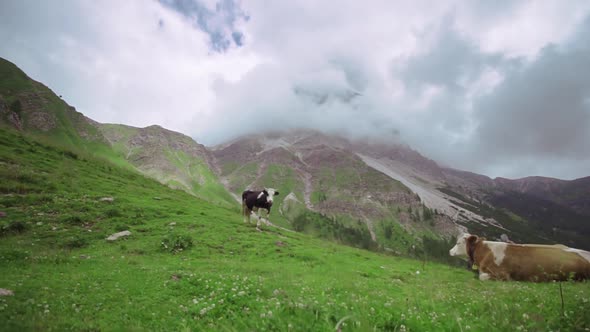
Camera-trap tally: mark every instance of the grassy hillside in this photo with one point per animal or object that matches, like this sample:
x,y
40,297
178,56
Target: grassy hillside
x,y
190,265
169,157
31,106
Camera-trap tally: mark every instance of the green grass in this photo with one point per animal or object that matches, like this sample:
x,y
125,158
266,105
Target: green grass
x,y
227,277
13,79
205,183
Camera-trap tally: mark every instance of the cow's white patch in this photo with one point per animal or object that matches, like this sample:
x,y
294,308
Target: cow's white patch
x,y
583,253
498,249
484,276
460,249
260,195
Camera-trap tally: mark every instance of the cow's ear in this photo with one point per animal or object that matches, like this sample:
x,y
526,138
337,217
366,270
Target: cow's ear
x,y
470,242
276,193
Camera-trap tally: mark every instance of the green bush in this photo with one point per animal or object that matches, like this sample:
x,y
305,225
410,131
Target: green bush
x,y
176,243
111,213
121,227
75,243
73,219
13,227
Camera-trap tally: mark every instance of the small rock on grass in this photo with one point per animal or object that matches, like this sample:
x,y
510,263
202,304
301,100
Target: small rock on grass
x,y
107,199
119,235
6,292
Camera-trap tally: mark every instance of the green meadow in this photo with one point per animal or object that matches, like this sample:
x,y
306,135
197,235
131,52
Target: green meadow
x,y
192,265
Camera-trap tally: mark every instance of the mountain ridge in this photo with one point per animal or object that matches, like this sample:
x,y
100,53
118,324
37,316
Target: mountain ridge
x,y
364,187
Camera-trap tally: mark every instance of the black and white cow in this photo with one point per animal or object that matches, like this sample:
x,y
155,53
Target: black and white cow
x,y
256,200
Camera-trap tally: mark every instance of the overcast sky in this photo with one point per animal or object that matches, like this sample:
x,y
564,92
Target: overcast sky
x,y
501,88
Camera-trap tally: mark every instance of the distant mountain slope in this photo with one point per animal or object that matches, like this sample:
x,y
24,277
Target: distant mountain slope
x,y
574,194
363,193
171,158
322,175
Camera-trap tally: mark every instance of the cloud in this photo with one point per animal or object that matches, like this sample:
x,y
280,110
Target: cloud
x,y
495,88
541,111
218,20
136,62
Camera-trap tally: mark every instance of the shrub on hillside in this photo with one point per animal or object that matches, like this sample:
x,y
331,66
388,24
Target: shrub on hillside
x,y
13,227
175,243
75,243
121,227
73,219
113,212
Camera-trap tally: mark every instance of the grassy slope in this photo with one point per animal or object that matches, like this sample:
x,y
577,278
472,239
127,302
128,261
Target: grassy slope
x,y
204,182
66,276
15,82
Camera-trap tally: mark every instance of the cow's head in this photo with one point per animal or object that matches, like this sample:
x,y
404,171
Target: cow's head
x,y
464,245
270,193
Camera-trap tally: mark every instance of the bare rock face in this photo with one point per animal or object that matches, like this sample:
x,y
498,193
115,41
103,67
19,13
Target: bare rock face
x,y
116,236
505,238
8,114
42,121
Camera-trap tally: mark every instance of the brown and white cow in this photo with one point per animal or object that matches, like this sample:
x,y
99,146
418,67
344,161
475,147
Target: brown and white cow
x,y
523,262
256,200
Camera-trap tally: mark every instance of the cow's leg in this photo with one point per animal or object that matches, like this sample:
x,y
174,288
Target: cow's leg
x,y
248,215
484,276
260,217
245,212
